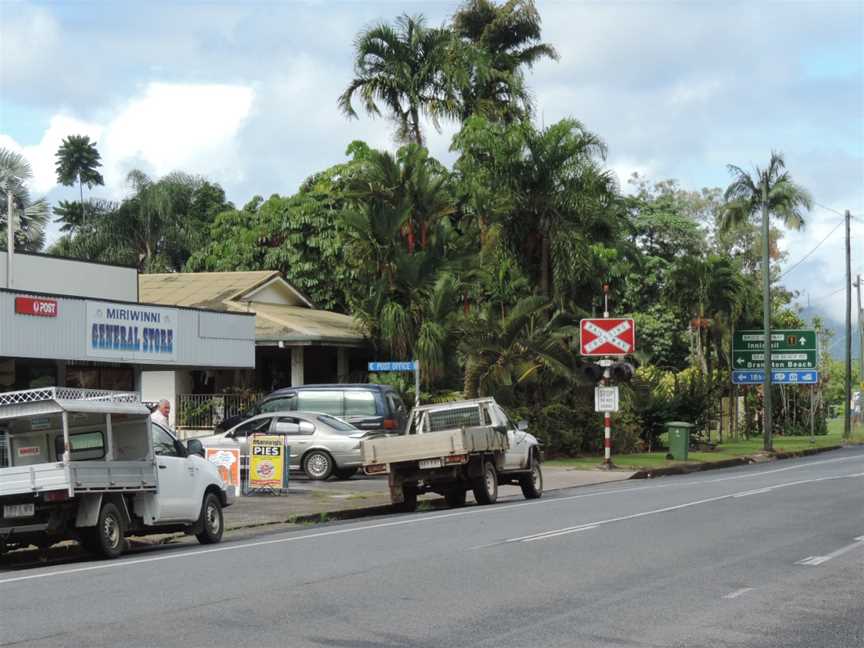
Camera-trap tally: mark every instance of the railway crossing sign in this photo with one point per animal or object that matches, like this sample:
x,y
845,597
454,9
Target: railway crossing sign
x,y
607,336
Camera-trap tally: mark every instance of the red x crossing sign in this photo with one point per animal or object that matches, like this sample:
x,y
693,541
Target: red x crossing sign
x,y
605,337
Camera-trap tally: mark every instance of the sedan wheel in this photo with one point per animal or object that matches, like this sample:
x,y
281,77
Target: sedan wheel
x,y
318,465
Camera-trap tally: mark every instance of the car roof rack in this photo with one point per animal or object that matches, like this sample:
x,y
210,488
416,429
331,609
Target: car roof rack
x,y
66,394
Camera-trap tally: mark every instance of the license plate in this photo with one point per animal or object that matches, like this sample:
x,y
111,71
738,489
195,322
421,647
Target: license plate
x,y
19,510
430,463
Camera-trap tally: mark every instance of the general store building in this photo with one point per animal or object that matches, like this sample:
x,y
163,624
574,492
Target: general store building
x,y
75,323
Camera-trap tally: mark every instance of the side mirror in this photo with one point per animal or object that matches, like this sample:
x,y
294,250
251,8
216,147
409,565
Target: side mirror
x,y
195,447
522,425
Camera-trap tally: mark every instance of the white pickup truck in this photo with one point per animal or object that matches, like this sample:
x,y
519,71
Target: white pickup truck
x,y
453,447
90,465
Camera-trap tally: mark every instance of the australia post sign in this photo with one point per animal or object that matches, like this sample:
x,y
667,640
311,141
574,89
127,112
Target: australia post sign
x,y
131,331
607,336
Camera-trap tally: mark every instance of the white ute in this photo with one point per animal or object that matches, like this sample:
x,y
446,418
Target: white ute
x,y
91,466
454,447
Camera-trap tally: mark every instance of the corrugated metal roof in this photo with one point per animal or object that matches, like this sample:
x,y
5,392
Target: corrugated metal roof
x,y
199,289
273,322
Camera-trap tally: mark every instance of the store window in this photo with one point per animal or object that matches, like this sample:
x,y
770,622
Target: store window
x,y
91,377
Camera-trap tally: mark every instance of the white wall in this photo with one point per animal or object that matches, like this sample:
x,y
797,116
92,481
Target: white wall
x,y
59,276
67,336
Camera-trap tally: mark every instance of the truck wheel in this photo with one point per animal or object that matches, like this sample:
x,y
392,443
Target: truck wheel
x,y
318,465
108,537
455,497
210,522
486,486
409,499
532,483
345,473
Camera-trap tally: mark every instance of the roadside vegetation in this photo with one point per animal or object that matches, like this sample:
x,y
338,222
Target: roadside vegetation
x,y
482,269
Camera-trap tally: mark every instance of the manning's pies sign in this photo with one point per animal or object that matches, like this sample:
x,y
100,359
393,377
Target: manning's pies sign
x,y
130,331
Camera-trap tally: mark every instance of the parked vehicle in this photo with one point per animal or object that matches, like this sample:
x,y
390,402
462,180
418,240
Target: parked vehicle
x,y
91,466
372,408
320,444
453,447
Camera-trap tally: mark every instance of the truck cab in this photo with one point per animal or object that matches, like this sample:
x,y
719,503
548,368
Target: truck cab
x,y
91,466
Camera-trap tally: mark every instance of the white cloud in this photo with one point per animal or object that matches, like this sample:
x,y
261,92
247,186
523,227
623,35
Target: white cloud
x,y
165,128
29,39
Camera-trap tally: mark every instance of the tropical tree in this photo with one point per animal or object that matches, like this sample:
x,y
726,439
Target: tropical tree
x,y
400,70
503,353
410,181
78,161
29,216
554,201
506,39
764,193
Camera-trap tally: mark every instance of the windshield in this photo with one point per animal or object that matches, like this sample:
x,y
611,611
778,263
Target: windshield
x,y
337,424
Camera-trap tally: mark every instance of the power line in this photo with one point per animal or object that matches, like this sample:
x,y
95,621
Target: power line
x,y
831,209
804,258
823,297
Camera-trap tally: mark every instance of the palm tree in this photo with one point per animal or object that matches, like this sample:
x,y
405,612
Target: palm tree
x,y
501,353
31,215
766,192
560,196
77,161
401,70
507,37
411,182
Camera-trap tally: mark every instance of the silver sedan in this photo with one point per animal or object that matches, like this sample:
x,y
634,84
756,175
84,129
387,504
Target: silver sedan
x,y
321,445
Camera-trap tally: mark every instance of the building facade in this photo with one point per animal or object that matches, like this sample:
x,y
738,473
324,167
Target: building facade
x,y
74,323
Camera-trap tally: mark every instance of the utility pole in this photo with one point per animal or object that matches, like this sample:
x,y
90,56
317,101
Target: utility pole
x,y
847,420
10,236
766,316
857,285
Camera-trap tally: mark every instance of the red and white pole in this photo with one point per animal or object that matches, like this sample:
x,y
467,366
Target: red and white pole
x,y
607,438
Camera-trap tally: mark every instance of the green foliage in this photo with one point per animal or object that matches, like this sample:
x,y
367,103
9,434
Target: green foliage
x,y
30,216
78,160
155,228
301,236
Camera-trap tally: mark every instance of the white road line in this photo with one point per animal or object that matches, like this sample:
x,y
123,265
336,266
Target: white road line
x,y
759,491
554,533
737,593
815,561
413,520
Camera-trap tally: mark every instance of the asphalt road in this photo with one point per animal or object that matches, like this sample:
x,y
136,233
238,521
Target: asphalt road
x,y
758,556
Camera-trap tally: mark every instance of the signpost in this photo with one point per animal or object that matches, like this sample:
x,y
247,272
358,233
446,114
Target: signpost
x,y
778,377
607,336
790,349
606,399
411,365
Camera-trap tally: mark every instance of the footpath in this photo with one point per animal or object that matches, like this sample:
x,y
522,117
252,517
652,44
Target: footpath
x,y
309,501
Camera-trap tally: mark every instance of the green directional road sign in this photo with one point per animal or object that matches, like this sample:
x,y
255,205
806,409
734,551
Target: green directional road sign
x,y
790,349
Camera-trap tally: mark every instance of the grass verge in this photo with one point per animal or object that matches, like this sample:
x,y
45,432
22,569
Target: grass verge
x,y
729,450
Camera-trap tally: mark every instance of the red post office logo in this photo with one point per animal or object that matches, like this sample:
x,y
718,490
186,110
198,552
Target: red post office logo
x,y
36,306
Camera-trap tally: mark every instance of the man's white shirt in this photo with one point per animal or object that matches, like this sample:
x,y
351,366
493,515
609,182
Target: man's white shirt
x,y
160,418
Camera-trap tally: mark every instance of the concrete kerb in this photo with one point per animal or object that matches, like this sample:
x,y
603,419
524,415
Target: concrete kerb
x,y
762,457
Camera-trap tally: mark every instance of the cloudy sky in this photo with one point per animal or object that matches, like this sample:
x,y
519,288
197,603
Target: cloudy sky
x,y
244,92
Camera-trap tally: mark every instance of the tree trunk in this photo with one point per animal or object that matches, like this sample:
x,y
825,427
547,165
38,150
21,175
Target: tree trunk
x,y
545,270
81,194
766,321
417,136
472,374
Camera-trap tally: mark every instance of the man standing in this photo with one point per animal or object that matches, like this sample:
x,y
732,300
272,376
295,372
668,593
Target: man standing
x,y
160,414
